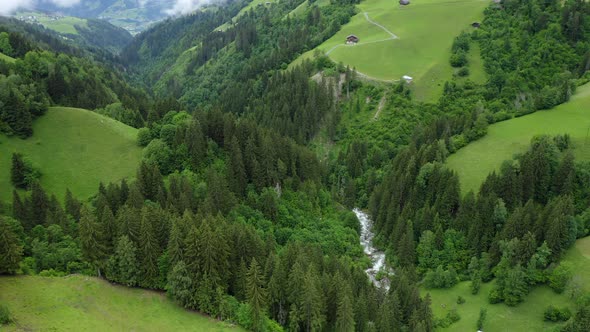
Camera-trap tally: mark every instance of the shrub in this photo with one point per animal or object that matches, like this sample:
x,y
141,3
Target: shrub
x,y
559,278
464,71
4,315
143,137
495,296
554,314
459,59
482,318
460,300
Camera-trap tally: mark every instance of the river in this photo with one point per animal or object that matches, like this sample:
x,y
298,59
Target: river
x,y
377,257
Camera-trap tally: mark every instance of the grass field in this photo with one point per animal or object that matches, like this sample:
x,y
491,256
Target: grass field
x,y
475,161
4,57
527,316
64,24
426,30
74,149
80,303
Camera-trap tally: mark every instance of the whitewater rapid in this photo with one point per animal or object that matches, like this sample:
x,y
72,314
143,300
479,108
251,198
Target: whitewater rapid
x,y
377,257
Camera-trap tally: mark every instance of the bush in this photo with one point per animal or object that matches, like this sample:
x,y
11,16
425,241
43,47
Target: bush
x,y
559,278
464,71
4,315
554,314
482,318
459,59
495,296
143,137
460,300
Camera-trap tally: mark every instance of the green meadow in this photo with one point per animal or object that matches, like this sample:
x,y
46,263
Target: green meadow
x,y
505,139
4,57
81,303
426,30
66,24
75,149
527,316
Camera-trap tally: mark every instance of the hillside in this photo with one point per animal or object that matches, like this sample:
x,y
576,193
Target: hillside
x,y
500,317
75,149
5,57
81,303
474,162
396,40
85,32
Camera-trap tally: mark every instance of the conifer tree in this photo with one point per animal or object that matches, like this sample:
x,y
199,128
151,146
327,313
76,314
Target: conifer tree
x,y
91,239
256,295
18,171
11,248
125,262
345,314
180,285
150,251
72,205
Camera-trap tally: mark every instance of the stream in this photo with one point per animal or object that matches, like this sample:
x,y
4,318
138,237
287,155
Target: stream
x,y
377,257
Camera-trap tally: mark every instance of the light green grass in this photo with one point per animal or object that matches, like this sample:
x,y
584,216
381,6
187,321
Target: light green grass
x,y
66,24
505,139
426,31
527,316
579,257
4,57
75,149
253,4
80,303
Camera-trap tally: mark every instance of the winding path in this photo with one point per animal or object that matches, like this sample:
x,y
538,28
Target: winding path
x,y
393,37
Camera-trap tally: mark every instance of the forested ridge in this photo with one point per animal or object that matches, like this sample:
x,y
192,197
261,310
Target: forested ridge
x,y
233,213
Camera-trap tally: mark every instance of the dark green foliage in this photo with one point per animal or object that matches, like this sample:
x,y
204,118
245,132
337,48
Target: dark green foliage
x,y
554,314
482,319
22,173
123,266
4,315
11,245
580,322
560,277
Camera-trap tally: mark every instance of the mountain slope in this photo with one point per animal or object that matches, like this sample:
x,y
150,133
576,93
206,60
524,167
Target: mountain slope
x,y
84,303
75,149
474,162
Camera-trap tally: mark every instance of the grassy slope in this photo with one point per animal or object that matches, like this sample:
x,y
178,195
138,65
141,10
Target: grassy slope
x,y
527,316
426,30
74,149
80,303
4,57
475,161
251,5
63,25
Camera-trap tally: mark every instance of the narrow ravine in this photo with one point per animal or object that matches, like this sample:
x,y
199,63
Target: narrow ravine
x,y
377,257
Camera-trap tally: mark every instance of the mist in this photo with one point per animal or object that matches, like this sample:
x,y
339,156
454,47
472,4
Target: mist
x,y
183,7
9,6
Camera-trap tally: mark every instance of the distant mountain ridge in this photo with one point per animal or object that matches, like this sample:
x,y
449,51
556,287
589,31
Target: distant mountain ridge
x,y
132,15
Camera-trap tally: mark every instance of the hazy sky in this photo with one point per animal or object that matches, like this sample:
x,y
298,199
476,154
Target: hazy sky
x,y
8,6
180,7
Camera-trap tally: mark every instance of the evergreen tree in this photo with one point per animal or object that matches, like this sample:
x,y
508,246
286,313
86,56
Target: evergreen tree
x,y
125,262
19,171
91,239
345,314
256,295
11,248
180,285
150,251
72,205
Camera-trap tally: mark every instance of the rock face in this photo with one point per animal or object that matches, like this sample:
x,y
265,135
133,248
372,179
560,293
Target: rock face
x,y
377,257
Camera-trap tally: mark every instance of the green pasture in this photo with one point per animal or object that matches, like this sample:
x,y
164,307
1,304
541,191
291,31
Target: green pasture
x,y
4,57
81,303
426,30
75,149
66,24
474,162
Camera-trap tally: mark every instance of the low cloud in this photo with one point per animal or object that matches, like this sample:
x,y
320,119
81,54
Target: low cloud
x,y
183,7
9,6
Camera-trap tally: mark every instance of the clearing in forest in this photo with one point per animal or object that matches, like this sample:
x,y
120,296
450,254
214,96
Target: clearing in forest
x,y
73,148
474,162
81,303
426,30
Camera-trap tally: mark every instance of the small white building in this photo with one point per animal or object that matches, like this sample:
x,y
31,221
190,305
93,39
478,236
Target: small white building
x,y
408,79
